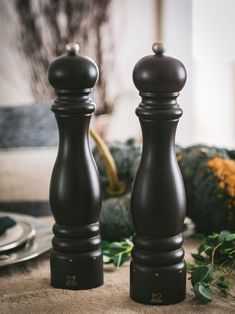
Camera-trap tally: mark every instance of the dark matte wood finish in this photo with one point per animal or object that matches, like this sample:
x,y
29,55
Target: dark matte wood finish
x,y
75,196
157,271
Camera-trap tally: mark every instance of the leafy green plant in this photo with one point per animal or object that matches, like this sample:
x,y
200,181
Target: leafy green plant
x,y
213,265
212,268
117,252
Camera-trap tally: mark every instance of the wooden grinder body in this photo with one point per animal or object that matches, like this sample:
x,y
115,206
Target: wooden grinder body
x,y
157,271
75,196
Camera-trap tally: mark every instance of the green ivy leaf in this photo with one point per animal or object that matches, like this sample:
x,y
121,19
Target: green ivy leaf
x,y
203,292
120,259
128,242
199,258
190,266
202,274
223,285
212,240
223,235
106,259
116,245
230,237
214,263
203,248
116,252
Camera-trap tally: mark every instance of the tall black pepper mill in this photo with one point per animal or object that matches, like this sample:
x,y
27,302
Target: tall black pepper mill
x,y
157,271
75,196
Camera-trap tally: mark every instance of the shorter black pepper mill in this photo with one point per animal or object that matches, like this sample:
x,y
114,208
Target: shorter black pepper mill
x,y
157,271
75,195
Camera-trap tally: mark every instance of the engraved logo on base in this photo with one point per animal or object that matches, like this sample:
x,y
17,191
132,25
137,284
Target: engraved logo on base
x,y
156,298
71,281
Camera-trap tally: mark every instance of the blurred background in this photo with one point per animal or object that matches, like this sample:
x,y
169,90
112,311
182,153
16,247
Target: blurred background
x,y
116,34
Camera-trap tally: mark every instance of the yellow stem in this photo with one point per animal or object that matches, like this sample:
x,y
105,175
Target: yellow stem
x,y
213,253
116,186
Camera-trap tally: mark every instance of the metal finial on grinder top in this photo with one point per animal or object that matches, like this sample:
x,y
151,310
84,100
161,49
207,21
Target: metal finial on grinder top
x,y
158,48
72,48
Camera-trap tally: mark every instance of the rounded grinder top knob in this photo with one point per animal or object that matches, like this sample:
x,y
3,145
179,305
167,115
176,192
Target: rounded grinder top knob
x,y
73,71
159,73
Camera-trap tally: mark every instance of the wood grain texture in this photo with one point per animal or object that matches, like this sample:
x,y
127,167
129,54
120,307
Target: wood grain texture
x,y
157,270
75,194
